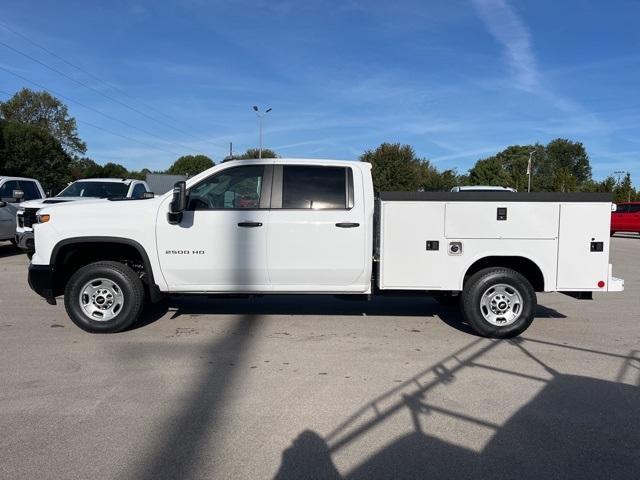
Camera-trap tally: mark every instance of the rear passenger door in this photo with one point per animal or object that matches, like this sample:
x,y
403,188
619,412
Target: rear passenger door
x,y
317,232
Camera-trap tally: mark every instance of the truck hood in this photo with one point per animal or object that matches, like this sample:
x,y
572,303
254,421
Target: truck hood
x,y
103,206
44,202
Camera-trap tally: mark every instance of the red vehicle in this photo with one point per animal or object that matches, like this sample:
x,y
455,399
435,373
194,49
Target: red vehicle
x,y
626,218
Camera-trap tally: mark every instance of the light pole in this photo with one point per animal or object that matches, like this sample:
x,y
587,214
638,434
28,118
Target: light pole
x,y
260,117
530,170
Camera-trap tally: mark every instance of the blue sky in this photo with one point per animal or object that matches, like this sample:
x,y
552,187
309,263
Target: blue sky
x,y
458,79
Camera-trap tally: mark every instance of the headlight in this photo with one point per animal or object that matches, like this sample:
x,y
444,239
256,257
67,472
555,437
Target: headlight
x,y
44,218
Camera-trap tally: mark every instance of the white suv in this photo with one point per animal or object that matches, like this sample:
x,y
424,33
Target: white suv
x,y
85,189
14,191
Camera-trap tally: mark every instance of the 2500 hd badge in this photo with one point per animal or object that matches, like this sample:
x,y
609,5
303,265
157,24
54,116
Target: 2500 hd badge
x,y
184,252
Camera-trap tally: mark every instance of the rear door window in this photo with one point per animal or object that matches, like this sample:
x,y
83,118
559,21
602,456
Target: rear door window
x,y
314,187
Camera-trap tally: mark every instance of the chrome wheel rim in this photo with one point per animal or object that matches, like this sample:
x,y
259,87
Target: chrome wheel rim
x,y
101,299
501,304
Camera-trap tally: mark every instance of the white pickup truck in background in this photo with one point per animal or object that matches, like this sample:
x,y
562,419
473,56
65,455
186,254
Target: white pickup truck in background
x,y
276,226
14,192
79,190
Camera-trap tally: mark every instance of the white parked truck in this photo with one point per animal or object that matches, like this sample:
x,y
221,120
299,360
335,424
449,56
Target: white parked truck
x,y
78,190
14,192
276,226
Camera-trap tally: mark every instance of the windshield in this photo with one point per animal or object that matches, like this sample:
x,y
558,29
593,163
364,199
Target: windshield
x,y
95,189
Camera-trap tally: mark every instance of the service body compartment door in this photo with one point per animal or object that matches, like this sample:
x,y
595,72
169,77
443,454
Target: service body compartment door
x,y
405,262
502,220
583,247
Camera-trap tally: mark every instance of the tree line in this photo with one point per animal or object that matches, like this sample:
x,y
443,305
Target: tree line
x,y
39,139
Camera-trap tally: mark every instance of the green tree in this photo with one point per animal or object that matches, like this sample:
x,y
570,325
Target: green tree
x,y
30,151
395,167
252,153
190,165
84,167
508,168
604,186
490,171
43,110
114,170
565,166
624,191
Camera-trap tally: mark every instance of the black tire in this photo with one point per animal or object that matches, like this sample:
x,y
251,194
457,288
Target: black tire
x,y
482,282
125,280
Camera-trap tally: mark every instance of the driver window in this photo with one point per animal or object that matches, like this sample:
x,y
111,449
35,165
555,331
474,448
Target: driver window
x,y
234,188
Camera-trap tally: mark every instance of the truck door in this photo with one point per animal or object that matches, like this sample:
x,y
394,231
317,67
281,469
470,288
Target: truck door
x,y
8,212
317,235
220,244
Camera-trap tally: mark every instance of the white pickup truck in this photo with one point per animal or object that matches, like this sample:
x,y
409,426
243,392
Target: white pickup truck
x,y
78,190
13,192
314,226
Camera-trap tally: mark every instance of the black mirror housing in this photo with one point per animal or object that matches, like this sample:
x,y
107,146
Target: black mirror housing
x,y
148,195
178,204
17,195
3,204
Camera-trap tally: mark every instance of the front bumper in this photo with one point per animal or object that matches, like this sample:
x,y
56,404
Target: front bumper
x,y
25,241
41,281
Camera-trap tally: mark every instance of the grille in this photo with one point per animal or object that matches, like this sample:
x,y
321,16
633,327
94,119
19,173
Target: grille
x,y
29,217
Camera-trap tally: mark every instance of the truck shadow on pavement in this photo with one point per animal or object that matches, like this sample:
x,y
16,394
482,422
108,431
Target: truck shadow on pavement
x,y
574,427
396,306
9,250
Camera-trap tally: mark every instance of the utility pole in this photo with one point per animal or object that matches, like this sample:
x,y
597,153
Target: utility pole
x,y
231,150
260,117
530,169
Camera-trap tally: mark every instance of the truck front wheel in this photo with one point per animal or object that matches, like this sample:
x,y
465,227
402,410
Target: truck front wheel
x,y
104,297
498,302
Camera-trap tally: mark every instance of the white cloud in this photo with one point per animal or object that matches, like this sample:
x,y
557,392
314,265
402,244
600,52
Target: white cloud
x,y
504,24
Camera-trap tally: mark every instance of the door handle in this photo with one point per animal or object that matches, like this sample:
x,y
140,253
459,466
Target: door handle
x,y
250,224
347,225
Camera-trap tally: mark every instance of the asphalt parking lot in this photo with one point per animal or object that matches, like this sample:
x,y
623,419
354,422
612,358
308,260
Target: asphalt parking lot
x,y
314,387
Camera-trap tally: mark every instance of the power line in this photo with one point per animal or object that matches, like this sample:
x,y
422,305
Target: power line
x,y
125,137
111,132
86,72
106,115
108,97
173,126
85,85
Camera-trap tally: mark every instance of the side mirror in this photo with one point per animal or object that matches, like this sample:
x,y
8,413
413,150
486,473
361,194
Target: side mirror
x,y
178,204
18,195
3,204
148,195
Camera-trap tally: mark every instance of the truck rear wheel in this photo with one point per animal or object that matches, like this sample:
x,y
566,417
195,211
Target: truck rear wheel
x,y
498,302
104,297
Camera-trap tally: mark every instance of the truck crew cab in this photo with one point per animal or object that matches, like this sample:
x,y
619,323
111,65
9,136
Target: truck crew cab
x,y
314,226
